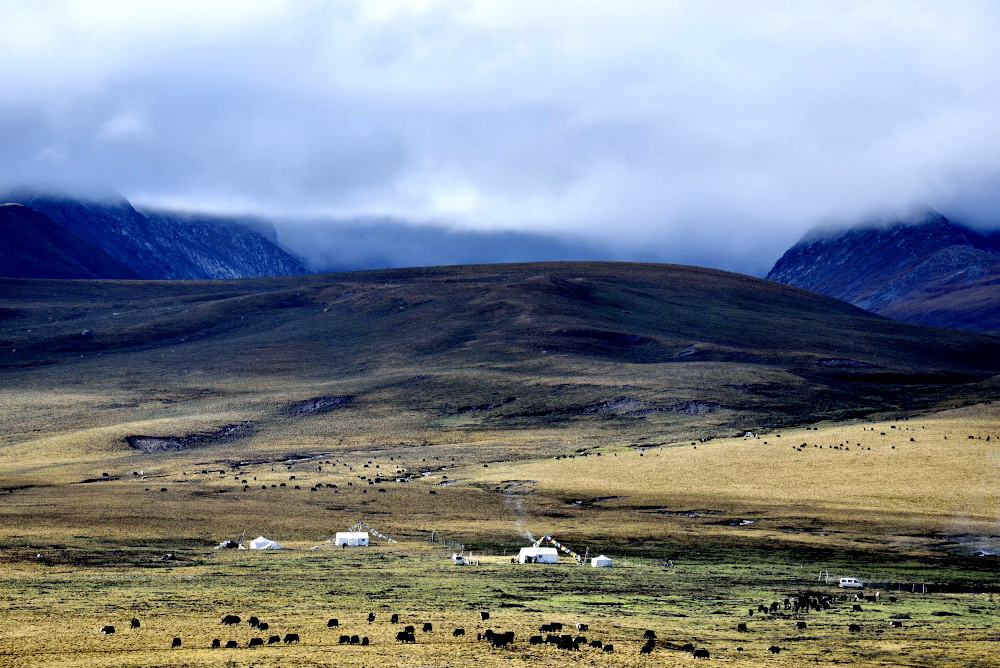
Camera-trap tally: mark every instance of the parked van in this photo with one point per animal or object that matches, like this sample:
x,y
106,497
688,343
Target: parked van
x,y
851,583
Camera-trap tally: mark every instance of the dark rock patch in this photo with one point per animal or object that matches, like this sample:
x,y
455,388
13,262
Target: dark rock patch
x,y
156,444
318,405
626,405
695,407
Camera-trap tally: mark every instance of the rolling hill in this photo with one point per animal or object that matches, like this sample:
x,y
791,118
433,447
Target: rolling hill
x,y
597,350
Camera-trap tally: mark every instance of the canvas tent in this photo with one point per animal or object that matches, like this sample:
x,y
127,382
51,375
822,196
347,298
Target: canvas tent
x,y
601,562
351,538
261,543
538,555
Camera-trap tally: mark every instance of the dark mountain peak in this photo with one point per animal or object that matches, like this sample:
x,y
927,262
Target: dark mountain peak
x,y
881,262
165,245
34,246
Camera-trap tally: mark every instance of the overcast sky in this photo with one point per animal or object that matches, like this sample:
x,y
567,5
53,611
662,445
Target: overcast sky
x,y
694,131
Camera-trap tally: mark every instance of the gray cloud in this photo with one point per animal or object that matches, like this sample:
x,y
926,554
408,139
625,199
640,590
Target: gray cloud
x,y
712,132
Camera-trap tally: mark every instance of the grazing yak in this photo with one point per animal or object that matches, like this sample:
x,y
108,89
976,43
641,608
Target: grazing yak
x,y
596,644
256,642
364,641
409,629
176,642
897,624
253,621
484,616
774,649
800,625
403,636
854,628
701,654
394,619
650,634
608,648
273,640
230,620
263,626
536,640
458,632
648,647
291,637
344,640
582,627
231,644
332,623
107,629
502,639
428,627
567,641
216,643
134,623
742,627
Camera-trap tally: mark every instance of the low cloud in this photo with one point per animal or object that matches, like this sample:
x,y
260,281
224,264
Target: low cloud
x,y
714,132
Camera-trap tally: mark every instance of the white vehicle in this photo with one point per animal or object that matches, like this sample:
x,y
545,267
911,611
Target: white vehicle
x,y
850,583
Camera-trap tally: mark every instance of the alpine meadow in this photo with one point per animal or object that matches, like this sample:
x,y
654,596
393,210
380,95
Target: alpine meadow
x,y
735,446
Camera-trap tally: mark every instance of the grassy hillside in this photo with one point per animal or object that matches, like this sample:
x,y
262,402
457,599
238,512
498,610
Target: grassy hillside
x,y
485,406
620,351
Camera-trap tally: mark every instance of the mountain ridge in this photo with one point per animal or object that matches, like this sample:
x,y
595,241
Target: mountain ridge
x,y
895,267
35,246
166,245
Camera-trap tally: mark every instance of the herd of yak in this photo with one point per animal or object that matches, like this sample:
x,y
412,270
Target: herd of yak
x,y
549,634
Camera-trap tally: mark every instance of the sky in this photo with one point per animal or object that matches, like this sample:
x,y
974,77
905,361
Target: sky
x,y
699,131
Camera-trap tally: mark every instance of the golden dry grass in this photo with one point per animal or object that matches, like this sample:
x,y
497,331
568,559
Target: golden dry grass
x,y
80,555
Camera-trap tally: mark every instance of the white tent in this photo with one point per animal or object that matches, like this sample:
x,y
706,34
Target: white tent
x,y
538,555
601,562
351,538
261,543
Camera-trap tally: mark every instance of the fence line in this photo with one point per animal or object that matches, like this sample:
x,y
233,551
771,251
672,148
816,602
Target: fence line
x,y
923,588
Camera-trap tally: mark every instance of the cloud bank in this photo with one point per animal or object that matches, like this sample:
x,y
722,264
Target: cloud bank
x,y
704,132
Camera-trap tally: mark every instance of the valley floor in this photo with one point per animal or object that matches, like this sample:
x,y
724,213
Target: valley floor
x,y
701,534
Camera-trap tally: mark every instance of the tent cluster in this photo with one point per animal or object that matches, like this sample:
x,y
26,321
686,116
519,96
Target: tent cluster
x,y
536,554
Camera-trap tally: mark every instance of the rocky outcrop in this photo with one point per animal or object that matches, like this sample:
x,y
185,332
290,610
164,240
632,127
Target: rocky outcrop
x,y
924,270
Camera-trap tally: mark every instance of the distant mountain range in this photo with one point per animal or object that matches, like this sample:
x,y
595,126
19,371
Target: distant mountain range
x,y
925,270
52,236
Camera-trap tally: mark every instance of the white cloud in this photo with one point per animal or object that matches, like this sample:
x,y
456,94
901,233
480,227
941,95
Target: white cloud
x,y
730,124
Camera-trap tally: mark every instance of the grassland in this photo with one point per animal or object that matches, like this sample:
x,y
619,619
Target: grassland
x,y
600,404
